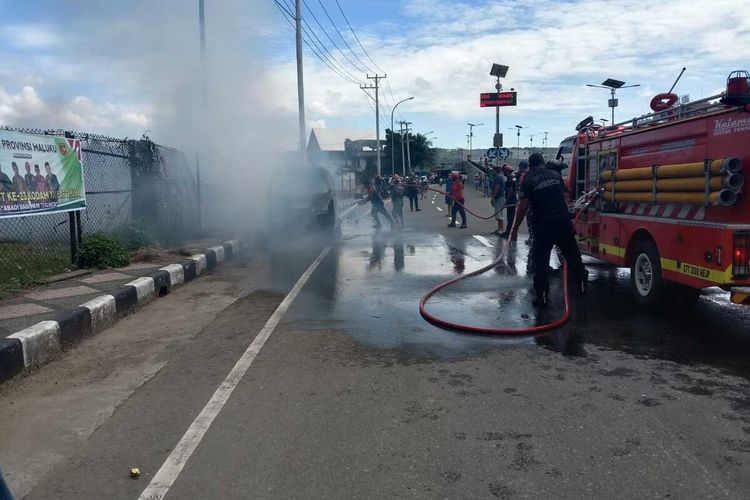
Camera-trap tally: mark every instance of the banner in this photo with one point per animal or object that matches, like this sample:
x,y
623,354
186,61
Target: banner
x,y
39,174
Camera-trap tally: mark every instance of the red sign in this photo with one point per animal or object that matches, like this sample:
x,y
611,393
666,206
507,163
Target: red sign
x,y
497,99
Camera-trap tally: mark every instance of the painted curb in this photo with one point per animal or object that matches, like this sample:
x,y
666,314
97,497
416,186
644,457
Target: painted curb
x,y
40,343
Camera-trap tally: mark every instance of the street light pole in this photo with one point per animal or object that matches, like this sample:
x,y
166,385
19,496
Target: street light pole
x,y
518,139
471,135
393,158
612,85
498,87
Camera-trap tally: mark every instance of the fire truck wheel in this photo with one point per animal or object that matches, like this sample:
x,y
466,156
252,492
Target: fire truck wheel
x,y
645,275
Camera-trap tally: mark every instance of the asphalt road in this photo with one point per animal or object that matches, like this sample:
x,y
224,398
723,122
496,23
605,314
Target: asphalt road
x,y
353,395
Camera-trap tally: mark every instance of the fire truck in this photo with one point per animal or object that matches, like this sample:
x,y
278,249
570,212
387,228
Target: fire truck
x,y
670,202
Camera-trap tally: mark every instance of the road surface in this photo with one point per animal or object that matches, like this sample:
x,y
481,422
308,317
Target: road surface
x,y
348,393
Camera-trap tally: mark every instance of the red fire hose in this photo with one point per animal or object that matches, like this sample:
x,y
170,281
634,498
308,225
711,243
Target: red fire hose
x,y
529,330
465,207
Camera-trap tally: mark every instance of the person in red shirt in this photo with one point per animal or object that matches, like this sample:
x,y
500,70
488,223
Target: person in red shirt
x,y
457,196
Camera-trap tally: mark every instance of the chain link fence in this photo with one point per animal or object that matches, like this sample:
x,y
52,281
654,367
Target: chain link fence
x,y
135,189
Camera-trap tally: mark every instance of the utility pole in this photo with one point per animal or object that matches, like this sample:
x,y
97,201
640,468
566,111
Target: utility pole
x,y
545,138
202,30
408,155
403,156
393,160
300,81
531,141
377,79
202,27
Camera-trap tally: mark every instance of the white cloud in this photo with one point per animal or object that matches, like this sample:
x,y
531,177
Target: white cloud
x,y
30,36
133,118
553,48
27,109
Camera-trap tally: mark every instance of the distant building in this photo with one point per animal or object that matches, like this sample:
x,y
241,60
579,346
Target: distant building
x,y
351,150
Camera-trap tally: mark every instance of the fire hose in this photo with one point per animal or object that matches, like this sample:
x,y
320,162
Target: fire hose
x,y
467,208
583,203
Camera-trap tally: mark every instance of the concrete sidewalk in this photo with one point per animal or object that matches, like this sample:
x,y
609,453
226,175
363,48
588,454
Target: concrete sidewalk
x,y
42,303
37,326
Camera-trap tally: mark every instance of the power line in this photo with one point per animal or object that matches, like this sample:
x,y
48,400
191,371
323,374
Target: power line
x,y
315,18
373,100
367,68
355,35
289,17
388,83
324,50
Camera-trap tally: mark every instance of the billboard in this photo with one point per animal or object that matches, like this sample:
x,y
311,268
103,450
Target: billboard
x,y
39,174
497,99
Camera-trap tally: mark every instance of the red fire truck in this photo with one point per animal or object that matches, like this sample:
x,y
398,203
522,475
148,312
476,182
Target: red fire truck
x,y
670,205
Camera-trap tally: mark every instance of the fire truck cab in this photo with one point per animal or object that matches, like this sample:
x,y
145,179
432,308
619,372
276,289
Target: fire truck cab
x,y
671,205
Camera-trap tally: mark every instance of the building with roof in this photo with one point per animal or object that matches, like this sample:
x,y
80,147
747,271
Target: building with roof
x,y
350,150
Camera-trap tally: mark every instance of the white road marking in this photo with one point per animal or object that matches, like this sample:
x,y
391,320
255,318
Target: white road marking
x,y
484,241
439,209
173,465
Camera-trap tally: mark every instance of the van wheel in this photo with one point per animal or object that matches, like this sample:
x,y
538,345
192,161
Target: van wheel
x,y
646,281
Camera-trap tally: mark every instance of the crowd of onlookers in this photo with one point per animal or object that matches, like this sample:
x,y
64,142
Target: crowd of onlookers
x,y
499,183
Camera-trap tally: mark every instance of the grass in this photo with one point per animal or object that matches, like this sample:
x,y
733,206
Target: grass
x,y
23,265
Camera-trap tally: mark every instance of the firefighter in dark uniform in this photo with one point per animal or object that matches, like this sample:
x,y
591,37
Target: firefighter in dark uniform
x,y
543,191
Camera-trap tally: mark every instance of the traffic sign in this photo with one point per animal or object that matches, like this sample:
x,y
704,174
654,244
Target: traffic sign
x,y
502,153
497,99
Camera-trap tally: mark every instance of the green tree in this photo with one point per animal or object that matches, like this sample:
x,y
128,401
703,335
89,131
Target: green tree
x,y
421,152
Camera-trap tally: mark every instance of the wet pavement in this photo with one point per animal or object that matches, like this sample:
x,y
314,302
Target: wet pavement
x,y
356,396
374,280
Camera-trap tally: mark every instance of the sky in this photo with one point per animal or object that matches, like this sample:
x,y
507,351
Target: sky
x,y
129,67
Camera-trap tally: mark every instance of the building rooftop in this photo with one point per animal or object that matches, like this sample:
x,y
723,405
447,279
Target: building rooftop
x,y
333,139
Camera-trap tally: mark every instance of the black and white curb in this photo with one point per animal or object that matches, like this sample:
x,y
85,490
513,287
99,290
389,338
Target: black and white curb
x,y
44,341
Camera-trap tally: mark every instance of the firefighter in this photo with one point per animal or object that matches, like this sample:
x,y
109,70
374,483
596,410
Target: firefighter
x,y
375,197
543,190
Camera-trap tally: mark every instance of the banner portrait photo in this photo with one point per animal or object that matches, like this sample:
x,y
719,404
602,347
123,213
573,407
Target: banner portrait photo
x,y
39,174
